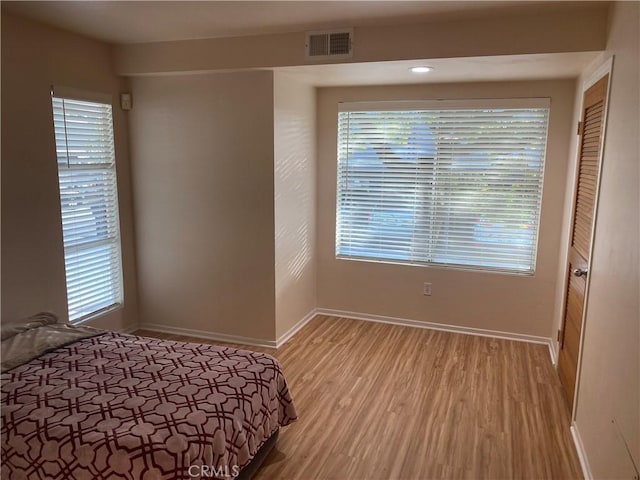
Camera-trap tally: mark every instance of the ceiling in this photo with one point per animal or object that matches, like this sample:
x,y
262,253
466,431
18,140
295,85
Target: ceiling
x,y
468,69
151,21
154,21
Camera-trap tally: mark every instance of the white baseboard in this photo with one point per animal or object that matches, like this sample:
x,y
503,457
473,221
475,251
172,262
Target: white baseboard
x,y
129,329
293,330
553,351
439,326
582,455
220,337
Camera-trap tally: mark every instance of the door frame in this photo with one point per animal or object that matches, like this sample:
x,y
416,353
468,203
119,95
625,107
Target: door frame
x,y
605,68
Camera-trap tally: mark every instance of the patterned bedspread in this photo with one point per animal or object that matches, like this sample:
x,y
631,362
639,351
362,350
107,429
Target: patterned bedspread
x,y
120,406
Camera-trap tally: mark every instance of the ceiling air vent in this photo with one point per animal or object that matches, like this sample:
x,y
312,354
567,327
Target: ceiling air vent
x,y
329,44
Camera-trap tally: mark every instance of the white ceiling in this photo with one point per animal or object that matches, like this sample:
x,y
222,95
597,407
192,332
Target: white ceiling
x,y
147,21
153,21
469,69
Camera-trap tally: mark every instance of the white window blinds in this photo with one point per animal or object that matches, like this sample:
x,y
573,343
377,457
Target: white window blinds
x,y
89,204
452,184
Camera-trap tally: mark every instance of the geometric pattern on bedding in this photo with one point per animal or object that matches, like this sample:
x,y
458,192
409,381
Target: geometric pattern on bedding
x,y
121,406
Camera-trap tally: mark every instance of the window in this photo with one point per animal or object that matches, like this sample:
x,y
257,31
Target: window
x,y
455,183
89,205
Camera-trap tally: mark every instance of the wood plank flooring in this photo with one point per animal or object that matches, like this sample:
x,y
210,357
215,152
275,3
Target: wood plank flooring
x,y
379,401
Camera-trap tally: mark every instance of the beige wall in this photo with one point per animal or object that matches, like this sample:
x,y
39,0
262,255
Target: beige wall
x,y
553,29
609,387
34,57
508,303
202,150
295,207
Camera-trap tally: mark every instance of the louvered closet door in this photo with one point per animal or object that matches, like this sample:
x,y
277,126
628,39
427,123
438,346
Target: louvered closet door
x,y
582,229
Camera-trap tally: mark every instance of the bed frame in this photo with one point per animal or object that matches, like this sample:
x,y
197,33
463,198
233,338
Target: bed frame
x,y
256,462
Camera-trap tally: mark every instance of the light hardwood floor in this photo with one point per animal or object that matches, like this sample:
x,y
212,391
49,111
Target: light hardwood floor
x,y
379,401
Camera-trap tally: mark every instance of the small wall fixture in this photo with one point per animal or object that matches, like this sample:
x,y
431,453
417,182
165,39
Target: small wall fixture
x,y
125,101
421,69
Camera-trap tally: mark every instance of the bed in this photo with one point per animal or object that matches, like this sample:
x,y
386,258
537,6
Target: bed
x,y
80,403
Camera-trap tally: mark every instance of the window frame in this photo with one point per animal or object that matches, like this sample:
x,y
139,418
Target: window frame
x,y
445,104
116,281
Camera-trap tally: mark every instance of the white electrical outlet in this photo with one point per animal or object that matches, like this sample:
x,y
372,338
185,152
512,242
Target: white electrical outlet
x,y
427,289
125,101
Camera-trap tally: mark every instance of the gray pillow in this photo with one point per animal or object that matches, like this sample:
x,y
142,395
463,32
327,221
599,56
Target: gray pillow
x,y
10,329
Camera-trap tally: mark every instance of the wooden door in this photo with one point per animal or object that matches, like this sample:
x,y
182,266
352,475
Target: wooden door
x,y
591,131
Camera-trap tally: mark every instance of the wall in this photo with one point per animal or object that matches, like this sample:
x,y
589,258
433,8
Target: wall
x,y
202,149
550,29
609,387
508,303
295,210
34,57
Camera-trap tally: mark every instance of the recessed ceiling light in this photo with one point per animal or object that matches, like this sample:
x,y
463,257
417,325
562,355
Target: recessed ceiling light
x,y
421,69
